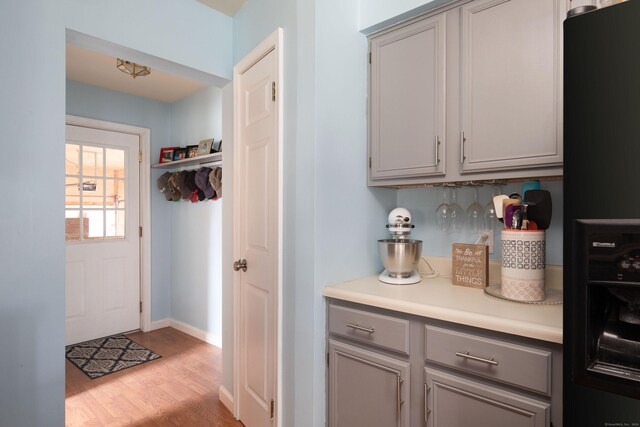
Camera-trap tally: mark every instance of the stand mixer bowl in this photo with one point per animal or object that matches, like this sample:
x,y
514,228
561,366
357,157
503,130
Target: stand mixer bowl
x,y
400,256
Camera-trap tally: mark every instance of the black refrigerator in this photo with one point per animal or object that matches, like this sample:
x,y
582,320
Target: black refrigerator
x,y
602,217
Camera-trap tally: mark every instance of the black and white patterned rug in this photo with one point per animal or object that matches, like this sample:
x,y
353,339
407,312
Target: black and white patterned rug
x,y
104,356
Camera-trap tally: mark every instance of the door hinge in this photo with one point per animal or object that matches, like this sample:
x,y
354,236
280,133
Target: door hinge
x,y
327,359
140,231
139,156
273,91
272,408
140,306
369,162
369,57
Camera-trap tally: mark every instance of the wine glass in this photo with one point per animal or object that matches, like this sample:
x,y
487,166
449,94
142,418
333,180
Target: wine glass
x,y
442,212
490,217
456,213
475,214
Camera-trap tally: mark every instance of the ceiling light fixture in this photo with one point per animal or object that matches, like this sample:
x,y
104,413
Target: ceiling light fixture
x,y
132,69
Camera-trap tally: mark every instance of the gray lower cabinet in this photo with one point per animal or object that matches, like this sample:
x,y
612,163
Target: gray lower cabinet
x,y
366,388
391,369
454,401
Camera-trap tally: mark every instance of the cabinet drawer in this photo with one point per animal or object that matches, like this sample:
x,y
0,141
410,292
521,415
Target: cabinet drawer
x,y
371,328
515,364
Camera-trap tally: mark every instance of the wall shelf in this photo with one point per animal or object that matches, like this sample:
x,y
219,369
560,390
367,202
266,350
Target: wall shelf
x,y
213,158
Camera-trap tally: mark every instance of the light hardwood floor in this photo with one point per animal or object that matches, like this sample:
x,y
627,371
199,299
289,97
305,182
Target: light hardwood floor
x,y
180,389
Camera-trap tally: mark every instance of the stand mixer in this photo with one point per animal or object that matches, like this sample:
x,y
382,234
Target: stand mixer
x,y
400,255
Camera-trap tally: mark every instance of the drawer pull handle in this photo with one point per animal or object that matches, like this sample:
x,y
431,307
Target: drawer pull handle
x,y
466,355
360,328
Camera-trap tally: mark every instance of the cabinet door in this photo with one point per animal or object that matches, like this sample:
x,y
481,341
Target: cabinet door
x,y
406,96
366,388
511,84
452,401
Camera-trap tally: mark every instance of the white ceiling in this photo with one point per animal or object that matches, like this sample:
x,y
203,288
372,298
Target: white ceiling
x,y
228,7
90,67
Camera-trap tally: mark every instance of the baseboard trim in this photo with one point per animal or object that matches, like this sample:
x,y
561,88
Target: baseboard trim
x,y
205,336
226,398
159,324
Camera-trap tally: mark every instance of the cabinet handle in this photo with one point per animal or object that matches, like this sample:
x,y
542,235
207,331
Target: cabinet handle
x,y
437,150
399,402
427,410
360,328
462,141
466,355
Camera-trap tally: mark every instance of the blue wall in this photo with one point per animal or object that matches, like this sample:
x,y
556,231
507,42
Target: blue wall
x,y
349,215
32,253
196,228
185,32
102,104
32,256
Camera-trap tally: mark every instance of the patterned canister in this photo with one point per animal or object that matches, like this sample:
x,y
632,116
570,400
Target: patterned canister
x,y
523,264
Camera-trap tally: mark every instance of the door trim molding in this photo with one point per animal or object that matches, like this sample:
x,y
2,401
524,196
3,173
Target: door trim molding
x,y
273,42
145,203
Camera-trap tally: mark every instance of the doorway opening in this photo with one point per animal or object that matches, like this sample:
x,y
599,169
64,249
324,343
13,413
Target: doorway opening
x,y
180,241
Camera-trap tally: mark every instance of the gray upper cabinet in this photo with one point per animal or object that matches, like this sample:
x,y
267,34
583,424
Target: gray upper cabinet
x,y
511,80
407,101
367,388
455,401
484,77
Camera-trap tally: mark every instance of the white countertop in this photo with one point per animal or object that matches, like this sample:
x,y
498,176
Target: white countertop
x,y
438,299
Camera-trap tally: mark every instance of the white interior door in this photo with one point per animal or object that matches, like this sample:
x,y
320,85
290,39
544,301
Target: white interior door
x,y
257,174
102,239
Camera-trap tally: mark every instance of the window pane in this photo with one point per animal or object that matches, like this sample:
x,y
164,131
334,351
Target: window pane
x,y
92,193
92,160
72,159
95,228
115,223
116,193
72,225
115,163
72,194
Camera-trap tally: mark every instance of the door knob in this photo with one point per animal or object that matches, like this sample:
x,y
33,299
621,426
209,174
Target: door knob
x,y
241,264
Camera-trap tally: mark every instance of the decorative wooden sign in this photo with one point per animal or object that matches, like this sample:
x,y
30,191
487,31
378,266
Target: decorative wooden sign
x,y
470,265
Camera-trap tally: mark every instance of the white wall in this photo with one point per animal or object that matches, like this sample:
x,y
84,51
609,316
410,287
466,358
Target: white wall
x,y
196,228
